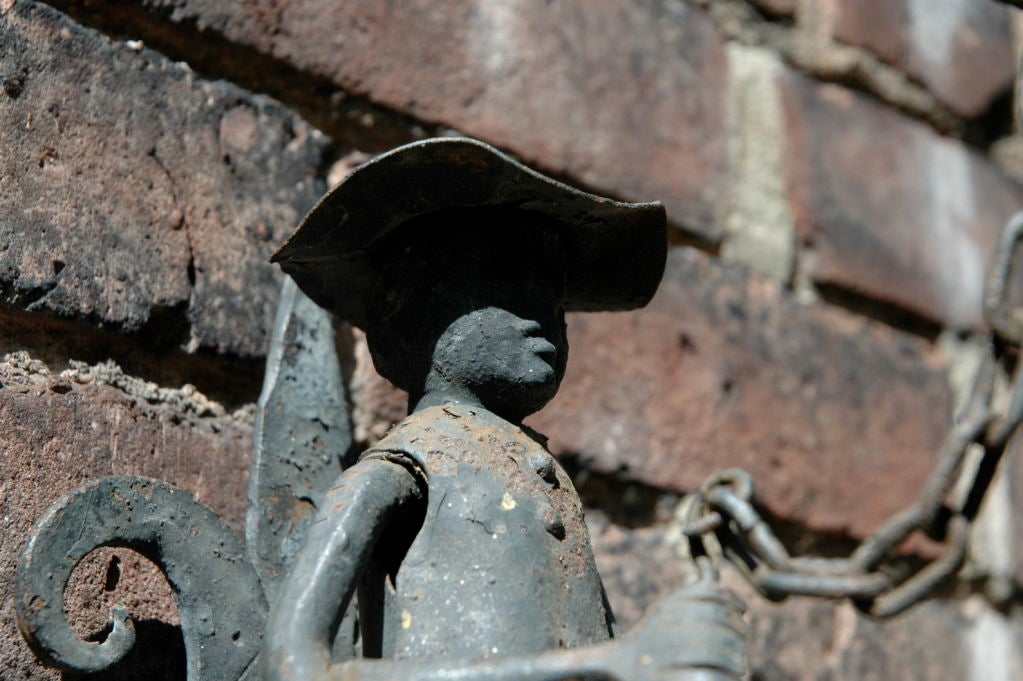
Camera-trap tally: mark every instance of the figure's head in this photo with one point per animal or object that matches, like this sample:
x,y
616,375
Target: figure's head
x,y
469,301
458,261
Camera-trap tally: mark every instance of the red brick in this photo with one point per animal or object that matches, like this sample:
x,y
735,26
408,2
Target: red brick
x,y
628,98
892,210
624,559
877,25
805,640
377,404
138,196
838,419
961,50
59,434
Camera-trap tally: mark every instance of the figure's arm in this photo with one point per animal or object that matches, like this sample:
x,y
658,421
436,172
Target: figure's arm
x,y
338,544
582,664
693,634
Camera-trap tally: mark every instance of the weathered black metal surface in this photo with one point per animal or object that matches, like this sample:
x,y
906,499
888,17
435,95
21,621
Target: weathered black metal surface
x,y
219,598
502,563
692,634
302,434
303,441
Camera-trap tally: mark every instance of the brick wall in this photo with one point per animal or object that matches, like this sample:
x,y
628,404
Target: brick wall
x,y
835,176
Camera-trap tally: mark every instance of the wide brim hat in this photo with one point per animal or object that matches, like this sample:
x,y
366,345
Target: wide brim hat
x,y
614,251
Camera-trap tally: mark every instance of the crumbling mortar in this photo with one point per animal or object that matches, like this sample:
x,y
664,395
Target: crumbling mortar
x,y
20,368
150,353
758,222
832,61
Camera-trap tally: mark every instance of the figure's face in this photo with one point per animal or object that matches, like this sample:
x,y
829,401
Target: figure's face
x,y
477,308
505,339
512,361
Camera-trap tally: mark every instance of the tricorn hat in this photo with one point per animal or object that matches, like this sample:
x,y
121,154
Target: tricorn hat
x,y
614,251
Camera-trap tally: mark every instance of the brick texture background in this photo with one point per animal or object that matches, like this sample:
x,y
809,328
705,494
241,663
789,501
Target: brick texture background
x,y
835,174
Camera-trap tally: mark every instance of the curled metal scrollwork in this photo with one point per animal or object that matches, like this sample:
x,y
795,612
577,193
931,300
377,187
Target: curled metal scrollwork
x,y
303,441
219,598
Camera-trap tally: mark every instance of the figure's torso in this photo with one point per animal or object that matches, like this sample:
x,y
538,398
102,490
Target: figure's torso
x,y
502,562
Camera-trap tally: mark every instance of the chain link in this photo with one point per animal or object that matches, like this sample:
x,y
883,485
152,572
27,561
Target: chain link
x,y
721,520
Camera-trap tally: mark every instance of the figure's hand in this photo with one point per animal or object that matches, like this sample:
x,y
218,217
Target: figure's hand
x,y
695,633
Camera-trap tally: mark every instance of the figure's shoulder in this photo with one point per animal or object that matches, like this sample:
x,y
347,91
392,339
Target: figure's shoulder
x,y
431,429
452,429
424,426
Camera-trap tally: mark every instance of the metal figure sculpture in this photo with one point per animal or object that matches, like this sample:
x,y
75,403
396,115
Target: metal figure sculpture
x,y
460,533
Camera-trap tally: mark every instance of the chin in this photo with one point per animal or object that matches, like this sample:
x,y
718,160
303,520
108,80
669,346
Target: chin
x,y
532,396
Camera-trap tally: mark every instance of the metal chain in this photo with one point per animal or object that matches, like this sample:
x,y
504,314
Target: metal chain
x,y
721,518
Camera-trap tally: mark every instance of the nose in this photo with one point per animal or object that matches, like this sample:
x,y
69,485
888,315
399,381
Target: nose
x,y
528,327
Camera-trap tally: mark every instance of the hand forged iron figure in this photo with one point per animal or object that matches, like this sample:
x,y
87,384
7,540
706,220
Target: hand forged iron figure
x,y
462,535
458,542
